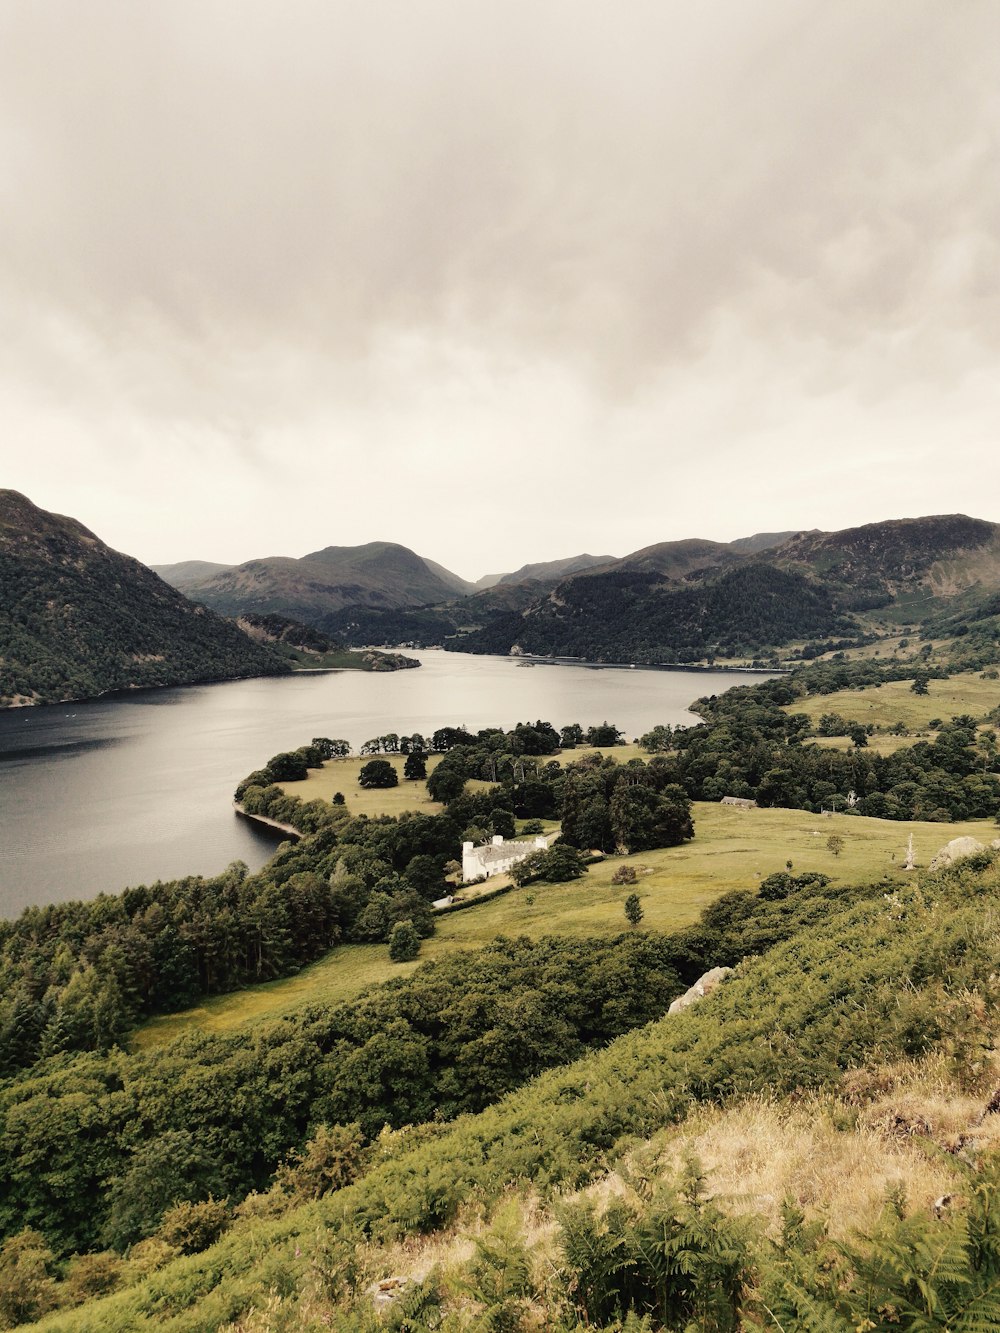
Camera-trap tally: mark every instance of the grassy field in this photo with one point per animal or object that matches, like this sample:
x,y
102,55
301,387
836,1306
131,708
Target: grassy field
x,y
732,849
877,744
895,702
342,775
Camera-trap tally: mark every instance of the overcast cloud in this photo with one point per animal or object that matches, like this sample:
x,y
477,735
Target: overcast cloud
x,y
501,281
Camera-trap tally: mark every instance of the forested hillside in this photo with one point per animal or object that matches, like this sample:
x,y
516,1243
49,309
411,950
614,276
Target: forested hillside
x,y
78,619
704,1172
633,615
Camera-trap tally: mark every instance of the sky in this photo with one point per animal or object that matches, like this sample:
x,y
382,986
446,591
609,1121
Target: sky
x,y
501,280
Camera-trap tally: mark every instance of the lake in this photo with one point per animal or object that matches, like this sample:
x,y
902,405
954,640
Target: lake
x,y
126,790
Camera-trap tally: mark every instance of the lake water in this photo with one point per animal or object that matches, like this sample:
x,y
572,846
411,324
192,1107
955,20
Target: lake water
x,y
97,796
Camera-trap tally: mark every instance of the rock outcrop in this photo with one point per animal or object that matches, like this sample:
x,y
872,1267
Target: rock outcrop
x,y
956,850
702,987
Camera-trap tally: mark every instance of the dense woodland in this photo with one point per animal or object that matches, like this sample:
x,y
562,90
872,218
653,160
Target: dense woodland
x,y
78,619
633,615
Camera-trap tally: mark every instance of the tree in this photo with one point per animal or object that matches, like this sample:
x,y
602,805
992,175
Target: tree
x,y
605,733
415,768
658,740
561,863
445,784
633,910
919,685
287,767
330,749
572,736
27,1290
835,844
171,1167
404,942
378,773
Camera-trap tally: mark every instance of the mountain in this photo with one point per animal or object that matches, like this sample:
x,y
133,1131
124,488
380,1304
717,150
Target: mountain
x,y
79,619
686,600
761,541
551,571
188,572
635,616
940,556
313,588
454,581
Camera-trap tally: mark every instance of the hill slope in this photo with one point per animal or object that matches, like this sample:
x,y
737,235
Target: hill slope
x,y
79,619
310,589
898,561
843,1001
636,615
684,600
186,573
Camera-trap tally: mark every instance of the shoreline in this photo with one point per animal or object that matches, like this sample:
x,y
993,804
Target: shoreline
x,y
289,830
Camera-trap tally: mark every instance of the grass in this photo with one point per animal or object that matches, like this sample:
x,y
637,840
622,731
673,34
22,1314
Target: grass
x,y
895,701
732,849
342,775
880,743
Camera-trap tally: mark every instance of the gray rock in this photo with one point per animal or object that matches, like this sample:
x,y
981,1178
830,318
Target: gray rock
x,y
956,850
702,987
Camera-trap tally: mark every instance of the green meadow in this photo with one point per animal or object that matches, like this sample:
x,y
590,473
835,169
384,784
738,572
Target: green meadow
x,y
892,702
732,849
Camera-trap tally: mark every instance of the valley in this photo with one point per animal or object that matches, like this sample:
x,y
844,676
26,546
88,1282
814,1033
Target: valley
x,y
331,1075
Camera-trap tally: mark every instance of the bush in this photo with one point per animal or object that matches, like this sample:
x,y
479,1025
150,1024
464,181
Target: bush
x,y
331,1159
93,1275
190,1227
625,875
404,942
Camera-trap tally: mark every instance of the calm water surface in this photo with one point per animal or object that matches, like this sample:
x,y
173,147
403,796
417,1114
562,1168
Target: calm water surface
x,y
96,796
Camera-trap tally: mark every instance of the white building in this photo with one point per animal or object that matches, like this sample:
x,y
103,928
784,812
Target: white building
x,y
496,857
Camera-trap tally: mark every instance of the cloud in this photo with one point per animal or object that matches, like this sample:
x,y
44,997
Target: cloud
x,y
479,234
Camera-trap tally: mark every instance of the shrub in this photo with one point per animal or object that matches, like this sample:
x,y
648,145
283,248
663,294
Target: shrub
x,y
331,1159
625,875
404,942
190,1227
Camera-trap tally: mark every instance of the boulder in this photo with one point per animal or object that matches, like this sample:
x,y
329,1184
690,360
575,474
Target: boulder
x,y
956,850
702,987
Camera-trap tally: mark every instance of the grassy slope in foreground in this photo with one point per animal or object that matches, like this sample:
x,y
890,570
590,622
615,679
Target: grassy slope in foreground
x,y
732,849
876,979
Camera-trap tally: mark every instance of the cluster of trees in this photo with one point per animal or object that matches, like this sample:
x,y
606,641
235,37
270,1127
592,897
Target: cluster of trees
x,y
750,746
219,1114
626,808
78,976
391,743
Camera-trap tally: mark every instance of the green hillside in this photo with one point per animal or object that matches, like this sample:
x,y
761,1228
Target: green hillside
x,y
78,619
816,1141
311,589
